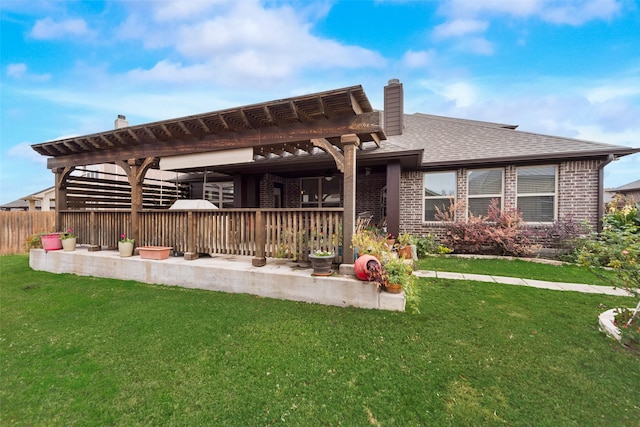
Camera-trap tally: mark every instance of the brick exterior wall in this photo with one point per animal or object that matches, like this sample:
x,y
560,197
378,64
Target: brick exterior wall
x,y
577,194
368,191
578,191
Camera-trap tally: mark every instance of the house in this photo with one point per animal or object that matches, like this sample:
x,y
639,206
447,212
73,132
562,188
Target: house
x,y
40,201
630,190
332,151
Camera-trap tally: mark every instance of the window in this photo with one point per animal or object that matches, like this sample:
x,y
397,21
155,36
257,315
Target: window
x,y
321,192
537,193
219,193
484,186
439,191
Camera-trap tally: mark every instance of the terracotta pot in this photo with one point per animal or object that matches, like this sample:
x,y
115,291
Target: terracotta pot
x,y
51,242
393,288
404,252
154,252
360,267
69,244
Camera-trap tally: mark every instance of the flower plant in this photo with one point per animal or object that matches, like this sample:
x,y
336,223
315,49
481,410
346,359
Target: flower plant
x,y
323,253
67,234
125,239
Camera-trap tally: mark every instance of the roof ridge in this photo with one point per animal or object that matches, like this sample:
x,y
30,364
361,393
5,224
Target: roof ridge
x,y
505,127
470,121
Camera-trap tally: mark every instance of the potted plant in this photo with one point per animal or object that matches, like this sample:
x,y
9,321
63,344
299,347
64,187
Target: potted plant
x,y
321,262
398,274
68,240
405,240
125,246
397,271
368,242
51,241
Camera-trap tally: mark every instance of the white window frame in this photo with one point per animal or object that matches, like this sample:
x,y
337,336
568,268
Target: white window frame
x,y
490,196
210,192
554,194
438,197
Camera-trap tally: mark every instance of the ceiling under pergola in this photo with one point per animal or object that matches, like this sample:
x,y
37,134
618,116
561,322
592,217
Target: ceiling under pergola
x,y
283,127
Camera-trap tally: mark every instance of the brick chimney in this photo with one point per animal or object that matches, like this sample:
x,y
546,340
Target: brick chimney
x,y
121,122
393,108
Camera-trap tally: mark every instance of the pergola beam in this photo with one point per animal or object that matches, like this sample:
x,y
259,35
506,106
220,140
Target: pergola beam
x,y
364,124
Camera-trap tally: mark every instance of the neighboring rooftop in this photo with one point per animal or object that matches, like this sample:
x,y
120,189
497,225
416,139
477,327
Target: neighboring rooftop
x,y
632,186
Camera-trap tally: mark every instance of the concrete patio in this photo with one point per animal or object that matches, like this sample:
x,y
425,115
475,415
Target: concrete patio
x,y
280,278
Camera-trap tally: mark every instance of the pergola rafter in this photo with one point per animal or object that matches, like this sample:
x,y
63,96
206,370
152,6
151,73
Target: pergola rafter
x,y
335,121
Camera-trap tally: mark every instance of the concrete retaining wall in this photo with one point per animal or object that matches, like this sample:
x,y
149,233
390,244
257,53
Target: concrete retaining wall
x,y
235,274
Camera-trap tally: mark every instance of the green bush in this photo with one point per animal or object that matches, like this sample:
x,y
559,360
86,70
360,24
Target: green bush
x,y
617,246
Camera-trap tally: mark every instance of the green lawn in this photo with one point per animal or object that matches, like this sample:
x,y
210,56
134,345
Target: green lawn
x,y
88,351
514,268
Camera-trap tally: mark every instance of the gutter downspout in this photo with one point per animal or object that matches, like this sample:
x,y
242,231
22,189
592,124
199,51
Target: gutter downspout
x,y
610,158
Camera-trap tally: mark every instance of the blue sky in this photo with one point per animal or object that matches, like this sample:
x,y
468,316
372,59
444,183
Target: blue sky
x,y
565,68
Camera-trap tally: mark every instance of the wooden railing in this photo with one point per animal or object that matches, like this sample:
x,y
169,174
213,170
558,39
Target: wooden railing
x,y
286,233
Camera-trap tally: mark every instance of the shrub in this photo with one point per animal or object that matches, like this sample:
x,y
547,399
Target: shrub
x,y
618,247
426,245
502,231
507,233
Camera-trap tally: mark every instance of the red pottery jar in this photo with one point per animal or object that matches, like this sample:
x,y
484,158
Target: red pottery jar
x,y
361,266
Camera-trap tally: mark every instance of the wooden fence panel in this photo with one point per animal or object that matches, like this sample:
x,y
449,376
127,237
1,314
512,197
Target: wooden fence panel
x,y
16,226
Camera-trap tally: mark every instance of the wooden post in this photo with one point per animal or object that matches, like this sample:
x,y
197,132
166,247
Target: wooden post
x,y
61,175
93,238
191,253
260,260
350,142
136,169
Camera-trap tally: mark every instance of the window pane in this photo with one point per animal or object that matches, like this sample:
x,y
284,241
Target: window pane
x,y
227,195
536,208
309,192
331,192
485,182
440,184
479,206
219,193
537,180
430,207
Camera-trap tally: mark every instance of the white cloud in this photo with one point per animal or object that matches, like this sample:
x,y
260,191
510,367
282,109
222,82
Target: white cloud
x,y
459,27
48,29
463,94
575,12
477,45
466,18
23,151
19,71
241,42
417,59
578,12
176,10
624,88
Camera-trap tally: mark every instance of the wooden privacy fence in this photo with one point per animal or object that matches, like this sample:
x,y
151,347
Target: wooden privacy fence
x,y
17,226
285,233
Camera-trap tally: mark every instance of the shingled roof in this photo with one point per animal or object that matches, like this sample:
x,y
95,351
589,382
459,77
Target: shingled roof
x,y
448,141
632,186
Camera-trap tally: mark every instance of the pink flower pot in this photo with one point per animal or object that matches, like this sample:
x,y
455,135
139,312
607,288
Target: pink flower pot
x,y
51,242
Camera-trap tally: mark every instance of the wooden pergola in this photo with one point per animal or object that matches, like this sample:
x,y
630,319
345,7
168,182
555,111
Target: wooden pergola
x,y
337,122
